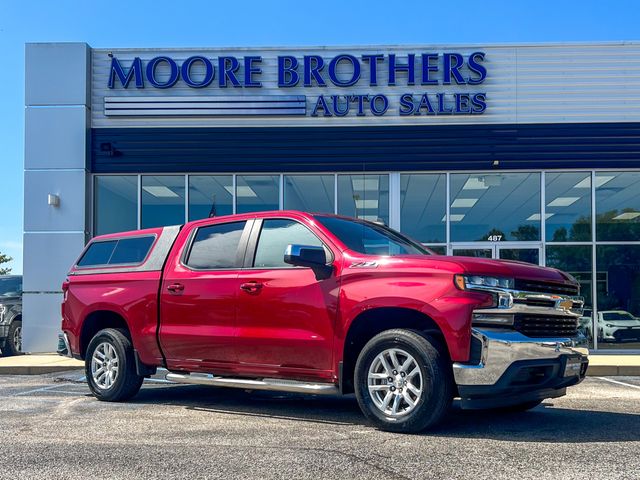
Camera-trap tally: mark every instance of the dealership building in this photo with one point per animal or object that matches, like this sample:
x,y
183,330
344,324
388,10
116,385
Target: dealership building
x,y
525,152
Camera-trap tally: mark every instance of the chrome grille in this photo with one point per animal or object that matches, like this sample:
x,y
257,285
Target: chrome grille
x,y
545,325
546,287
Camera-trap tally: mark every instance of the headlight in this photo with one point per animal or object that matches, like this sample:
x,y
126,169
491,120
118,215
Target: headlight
x,y
467,282
3,310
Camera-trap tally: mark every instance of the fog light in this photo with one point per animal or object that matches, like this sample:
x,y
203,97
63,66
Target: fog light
x,y
492,318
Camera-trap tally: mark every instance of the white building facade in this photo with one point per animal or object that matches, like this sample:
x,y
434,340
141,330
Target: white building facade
x,y
518,152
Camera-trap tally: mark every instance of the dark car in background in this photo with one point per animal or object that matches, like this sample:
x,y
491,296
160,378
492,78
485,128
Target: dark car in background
x,y
11,314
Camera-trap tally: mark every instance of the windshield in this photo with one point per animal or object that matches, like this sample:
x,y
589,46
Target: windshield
x,y
10,287
370,238
619,316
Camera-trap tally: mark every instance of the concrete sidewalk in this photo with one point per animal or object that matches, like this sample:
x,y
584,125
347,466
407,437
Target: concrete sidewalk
x,y
599,365
38,364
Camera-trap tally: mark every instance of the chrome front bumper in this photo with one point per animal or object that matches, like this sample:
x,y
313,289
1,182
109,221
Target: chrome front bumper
x,y
500,348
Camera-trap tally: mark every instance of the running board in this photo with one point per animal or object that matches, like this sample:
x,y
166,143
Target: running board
x,y
274,384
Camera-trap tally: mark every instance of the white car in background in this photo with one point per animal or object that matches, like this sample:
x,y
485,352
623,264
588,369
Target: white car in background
x,y
618,326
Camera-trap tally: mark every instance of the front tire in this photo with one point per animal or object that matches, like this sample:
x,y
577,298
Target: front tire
x,y
404,381
110,366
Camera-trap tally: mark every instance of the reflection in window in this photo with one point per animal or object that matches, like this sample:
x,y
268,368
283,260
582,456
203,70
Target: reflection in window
x,y
210,196
116,204
526,255
617,206
423,207
275,236
506,205
371,238
162,200
437,249
618,271
309,193
577,261
364,196
257,193
473,252
568,215
215,246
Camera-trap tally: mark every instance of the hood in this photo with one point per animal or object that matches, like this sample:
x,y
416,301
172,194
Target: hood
x,y
12,299
500,268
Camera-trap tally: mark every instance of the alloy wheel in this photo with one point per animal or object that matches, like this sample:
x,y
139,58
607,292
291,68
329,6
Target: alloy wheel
x,y
104,366
395,382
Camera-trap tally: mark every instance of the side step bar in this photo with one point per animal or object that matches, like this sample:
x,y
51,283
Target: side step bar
x,y
274,384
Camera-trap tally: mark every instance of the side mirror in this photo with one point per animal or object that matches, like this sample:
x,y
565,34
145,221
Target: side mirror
x,y
309,256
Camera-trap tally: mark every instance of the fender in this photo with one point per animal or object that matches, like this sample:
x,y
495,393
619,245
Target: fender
x,y
451,312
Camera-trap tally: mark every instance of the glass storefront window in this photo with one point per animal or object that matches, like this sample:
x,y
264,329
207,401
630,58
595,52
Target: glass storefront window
x,y
577,261
162,200
618,280
568,209
210,196
503,205
310,193
440,250
423,207
364,196
617,206
257,193
116,204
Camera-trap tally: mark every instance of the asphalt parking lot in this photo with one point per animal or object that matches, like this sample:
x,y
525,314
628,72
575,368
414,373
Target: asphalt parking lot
x,y
50,427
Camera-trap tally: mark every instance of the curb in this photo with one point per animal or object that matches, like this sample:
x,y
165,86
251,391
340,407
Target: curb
x,y
613,371
37,369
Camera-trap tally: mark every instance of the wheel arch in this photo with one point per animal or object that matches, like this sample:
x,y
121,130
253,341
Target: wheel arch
x,y
99,320
370,323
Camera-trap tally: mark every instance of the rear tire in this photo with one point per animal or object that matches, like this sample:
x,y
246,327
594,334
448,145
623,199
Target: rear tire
x,y
110,366
404,381
13,343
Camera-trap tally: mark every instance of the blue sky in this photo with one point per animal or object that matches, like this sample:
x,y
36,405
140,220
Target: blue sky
x,y
266,23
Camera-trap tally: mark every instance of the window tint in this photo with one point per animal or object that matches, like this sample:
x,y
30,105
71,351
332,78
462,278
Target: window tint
x,y
216,246
370,238
98,254
131,250
275,236
10,287
126,251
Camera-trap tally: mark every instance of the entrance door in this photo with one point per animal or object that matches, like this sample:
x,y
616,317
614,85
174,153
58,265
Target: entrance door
x,y
528,253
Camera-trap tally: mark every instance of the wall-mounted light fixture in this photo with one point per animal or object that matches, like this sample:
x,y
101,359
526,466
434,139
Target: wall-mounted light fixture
x,y
54,200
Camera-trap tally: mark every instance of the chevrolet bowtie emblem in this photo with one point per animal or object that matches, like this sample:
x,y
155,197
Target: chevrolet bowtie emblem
x,y
567,304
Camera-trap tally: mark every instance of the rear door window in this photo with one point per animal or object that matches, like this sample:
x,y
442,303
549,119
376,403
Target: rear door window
x,y
125,251
215,246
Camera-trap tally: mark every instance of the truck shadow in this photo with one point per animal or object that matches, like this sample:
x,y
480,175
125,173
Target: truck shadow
x,y
545,423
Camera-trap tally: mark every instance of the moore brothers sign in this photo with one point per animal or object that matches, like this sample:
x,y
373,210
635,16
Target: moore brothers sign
x,y
427,70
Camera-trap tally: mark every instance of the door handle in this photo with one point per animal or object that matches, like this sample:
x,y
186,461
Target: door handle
x,y
251,287
176,287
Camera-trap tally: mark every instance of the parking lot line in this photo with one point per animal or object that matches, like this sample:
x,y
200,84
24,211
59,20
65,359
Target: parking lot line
x,y
619,383
41,389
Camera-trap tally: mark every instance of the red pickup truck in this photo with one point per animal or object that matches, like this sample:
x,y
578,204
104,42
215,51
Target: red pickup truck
x,y
321,304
